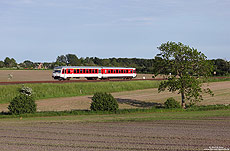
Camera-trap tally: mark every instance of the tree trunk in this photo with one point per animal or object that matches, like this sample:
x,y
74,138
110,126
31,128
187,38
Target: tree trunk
x,y
183,100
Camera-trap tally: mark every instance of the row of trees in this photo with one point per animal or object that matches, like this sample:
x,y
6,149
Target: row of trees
x,y
221,67
9,63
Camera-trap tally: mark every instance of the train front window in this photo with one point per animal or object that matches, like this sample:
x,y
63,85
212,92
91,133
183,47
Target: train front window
x,y
57,71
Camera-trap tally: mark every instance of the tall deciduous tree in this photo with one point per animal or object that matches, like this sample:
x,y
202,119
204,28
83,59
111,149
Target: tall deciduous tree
x,y
61,60
72,59
10,62
187,66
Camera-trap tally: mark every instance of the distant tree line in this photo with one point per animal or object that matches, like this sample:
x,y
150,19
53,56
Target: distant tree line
x,y
221,67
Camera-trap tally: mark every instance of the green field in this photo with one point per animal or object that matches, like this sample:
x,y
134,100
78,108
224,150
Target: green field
x,y
47,90
135,115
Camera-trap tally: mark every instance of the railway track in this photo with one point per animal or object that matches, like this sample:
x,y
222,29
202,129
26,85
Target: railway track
x,y
72,81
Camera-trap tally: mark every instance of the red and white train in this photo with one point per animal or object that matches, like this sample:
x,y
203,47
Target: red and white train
x,y
93,73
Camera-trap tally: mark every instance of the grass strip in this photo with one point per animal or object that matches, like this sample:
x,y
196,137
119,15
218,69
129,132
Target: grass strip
x,y
125,112
54,90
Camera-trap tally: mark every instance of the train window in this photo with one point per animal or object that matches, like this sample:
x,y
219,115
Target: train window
x,y
111,71
75,71
90,70
105,71
108,71
127,71
131,71
87,71
122,71
68,70
83,70
96,71
63,71
80,70
116,71
119,71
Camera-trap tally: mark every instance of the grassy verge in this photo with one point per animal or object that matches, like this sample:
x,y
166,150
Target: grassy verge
x,y
218,79
47,90
129,114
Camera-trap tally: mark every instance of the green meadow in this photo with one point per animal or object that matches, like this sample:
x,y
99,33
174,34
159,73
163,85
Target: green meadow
x,y
53,90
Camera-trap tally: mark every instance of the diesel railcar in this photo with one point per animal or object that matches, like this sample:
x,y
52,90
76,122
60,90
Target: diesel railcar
x,y
93,73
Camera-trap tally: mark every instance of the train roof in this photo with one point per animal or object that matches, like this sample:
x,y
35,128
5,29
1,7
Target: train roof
x,y
91,67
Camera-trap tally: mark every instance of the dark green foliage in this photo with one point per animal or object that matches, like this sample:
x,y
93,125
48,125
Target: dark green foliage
x,y
22,104
171,103
103,102
221,67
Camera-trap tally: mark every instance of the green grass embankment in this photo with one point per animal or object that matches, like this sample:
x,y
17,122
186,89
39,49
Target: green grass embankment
x,y
193,113
47,90
218,79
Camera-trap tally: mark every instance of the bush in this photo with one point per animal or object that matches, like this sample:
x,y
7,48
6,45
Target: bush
x,y
22,104
26,90
171,103
103,102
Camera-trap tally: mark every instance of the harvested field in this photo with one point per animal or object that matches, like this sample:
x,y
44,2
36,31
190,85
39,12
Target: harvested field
x,y
136,99
180,135
25,75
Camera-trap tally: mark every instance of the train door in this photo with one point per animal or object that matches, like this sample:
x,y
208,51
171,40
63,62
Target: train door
x,y
99,73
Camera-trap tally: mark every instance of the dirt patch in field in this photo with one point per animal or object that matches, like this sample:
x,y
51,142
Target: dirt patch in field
x,y
136,99
25,75
180,135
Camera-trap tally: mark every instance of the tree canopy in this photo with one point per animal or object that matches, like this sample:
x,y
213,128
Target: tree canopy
x,y
187,67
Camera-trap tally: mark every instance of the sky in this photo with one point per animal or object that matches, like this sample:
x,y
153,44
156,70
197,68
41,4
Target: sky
x,y
41,30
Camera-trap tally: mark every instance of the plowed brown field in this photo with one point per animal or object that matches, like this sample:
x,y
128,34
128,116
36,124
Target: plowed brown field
x,y
180,135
